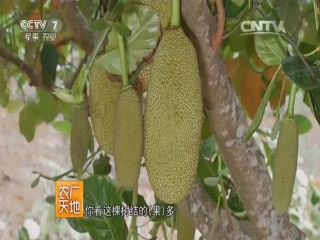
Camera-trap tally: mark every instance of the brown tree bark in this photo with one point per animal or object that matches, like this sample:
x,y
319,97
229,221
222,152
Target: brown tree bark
x,y
228,123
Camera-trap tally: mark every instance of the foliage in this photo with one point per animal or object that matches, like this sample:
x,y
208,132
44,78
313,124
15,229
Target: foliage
x,y
252,63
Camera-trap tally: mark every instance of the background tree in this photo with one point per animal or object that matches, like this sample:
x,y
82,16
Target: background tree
x,y
238,81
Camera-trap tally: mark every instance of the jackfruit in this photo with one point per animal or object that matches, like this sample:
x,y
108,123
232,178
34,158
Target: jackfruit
x,y
103,99
141,84
128,138
186,230
284,166
173,117
163,7
80,137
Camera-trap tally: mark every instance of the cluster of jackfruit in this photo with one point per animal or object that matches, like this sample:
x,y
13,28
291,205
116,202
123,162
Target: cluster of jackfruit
x,y
168,136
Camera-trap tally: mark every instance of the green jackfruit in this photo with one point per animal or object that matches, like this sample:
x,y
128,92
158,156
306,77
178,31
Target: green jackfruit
x,y
128,138
80,137
164,12
285,164
186,230
173,117
103,100
163,7
141,85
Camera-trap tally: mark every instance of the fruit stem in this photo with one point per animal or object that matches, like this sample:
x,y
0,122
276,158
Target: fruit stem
x,y
175,13
79,174
292,97
133,225
124,74
223,190
91,59
164,231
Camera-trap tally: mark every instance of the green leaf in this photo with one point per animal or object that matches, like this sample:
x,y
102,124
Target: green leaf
x,y
207,168
127,196
63,126
259,115
4,97
51,199
35,182
275,129
101,166
288,10
306,48
307,100
47,107
239,3
233,7
315,197
145,25
14,105
98,25
115,9
49,57
294,218
234,202
269,152
77,224
27,122
99,190
23,234
315,99
268,50
65,109
211,181
299,73
304,124
237,43
48,78
121,29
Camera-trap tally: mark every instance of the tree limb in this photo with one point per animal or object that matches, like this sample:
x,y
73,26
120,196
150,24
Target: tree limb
x,y
34,77
76,22
200,208
228,123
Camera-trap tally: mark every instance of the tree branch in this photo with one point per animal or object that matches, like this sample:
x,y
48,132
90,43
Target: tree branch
x,y
228,123
200,208
76,22
34,77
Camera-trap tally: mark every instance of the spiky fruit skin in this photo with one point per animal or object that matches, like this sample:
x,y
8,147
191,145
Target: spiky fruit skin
x,y
163,7
80,137
103,100
128,138
141,85
173,118
285,164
